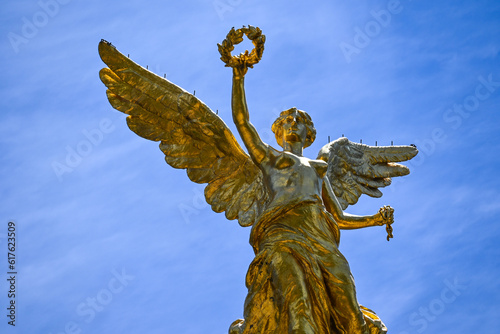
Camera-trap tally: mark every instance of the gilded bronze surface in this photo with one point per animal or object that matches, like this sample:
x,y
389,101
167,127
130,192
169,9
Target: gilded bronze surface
x,y
299,282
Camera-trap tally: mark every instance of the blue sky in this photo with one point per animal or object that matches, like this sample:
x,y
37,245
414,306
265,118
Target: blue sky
x,y
110,239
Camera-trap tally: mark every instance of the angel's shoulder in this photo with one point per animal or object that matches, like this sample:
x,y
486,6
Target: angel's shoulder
x,y
320,166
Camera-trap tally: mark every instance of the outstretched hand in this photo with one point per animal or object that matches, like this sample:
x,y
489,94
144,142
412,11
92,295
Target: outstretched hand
x,y
385,216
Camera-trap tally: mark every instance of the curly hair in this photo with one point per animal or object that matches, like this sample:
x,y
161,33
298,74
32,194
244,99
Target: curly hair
x,y
277,126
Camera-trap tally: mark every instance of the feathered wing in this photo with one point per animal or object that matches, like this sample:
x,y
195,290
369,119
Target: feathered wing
x,y
355,169
191,136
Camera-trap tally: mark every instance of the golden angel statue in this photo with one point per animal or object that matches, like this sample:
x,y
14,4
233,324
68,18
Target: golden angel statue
x,y
299,282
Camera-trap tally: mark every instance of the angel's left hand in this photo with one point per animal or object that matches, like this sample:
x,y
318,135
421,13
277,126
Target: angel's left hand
x,y
385,216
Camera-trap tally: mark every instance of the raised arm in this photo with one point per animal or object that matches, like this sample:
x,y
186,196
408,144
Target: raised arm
x,y
255,146
344,220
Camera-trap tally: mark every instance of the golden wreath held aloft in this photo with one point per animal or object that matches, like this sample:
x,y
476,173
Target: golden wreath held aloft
x,y
235,36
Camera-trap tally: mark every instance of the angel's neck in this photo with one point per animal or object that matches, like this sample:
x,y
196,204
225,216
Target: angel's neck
x,y
295,148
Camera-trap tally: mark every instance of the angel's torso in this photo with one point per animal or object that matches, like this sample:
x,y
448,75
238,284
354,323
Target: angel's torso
x,y
293,179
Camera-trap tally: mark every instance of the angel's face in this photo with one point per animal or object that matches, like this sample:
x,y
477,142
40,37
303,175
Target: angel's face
x,y
294,129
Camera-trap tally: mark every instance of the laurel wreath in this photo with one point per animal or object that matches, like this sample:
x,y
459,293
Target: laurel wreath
x,y
234,37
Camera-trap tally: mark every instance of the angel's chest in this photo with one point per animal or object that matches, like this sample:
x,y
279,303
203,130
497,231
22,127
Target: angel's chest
x,y
289,170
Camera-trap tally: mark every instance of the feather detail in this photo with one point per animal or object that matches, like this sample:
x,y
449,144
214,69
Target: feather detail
x,y
191,136
355,169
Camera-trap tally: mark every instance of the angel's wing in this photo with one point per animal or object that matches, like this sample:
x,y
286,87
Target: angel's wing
x,y
355,169
190,134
